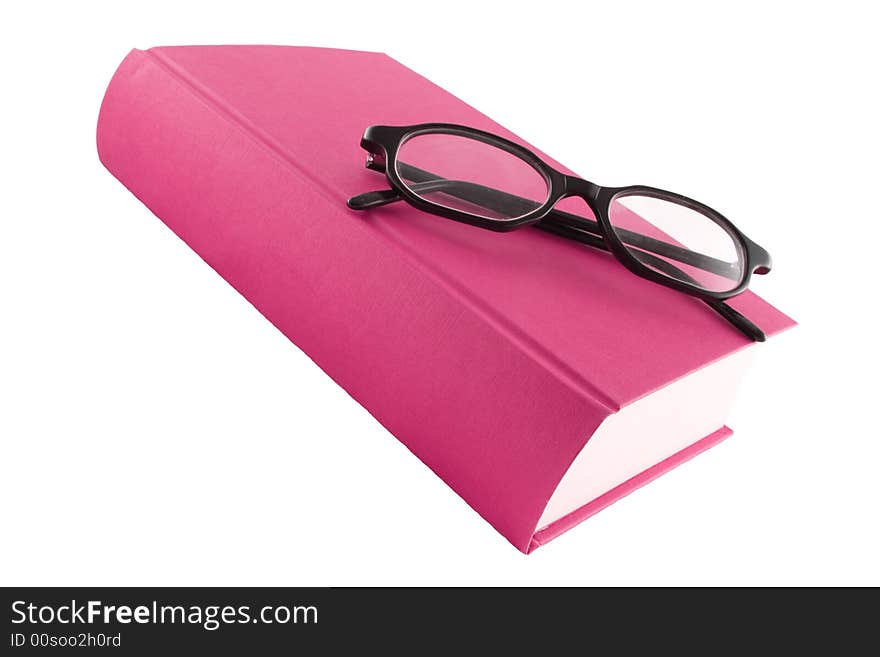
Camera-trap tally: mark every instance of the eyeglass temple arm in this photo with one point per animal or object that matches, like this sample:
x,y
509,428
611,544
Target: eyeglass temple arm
x,y
575,228
586,235
500,201
733,316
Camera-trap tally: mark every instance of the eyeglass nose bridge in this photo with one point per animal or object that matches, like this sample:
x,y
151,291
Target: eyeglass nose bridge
x,y
573,186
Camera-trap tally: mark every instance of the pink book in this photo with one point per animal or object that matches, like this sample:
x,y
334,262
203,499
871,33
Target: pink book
x,y
538,377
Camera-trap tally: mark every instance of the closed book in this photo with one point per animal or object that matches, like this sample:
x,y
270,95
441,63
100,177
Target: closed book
x,y
537,376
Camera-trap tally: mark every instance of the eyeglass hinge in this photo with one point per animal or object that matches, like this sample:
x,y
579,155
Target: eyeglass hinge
x,y
375,162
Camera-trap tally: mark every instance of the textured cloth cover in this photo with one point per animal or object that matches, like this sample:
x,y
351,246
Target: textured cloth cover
x,y
493,357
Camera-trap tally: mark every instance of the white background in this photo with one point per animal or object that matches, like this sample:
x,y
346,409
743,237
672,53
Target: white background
x,y
155,429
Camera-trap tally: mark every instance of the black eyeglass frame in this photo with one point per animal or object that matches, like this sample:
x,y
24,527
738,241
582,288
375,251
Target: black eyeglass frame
x,y
383,143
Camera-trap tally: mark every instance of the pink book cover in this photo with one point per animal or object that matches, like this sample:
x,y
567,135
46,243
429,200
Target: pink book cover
x,y
493,358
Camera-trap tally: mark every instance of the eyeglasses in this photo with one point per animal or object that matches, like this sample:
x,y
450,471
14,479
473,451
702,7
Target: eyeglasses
x,y
484,180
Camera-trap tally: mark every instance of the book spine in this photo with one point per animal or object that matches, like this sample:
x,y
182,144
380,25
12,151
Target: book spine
x,y
420,361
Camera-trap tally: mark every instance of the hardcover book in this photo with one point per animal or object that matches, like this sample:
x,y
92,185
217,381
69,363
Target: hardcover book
x,y
538,377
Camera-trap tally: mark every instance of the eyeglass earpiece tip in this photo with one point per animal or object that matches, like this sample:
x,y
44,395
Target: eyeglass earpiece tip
x,y
369,200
